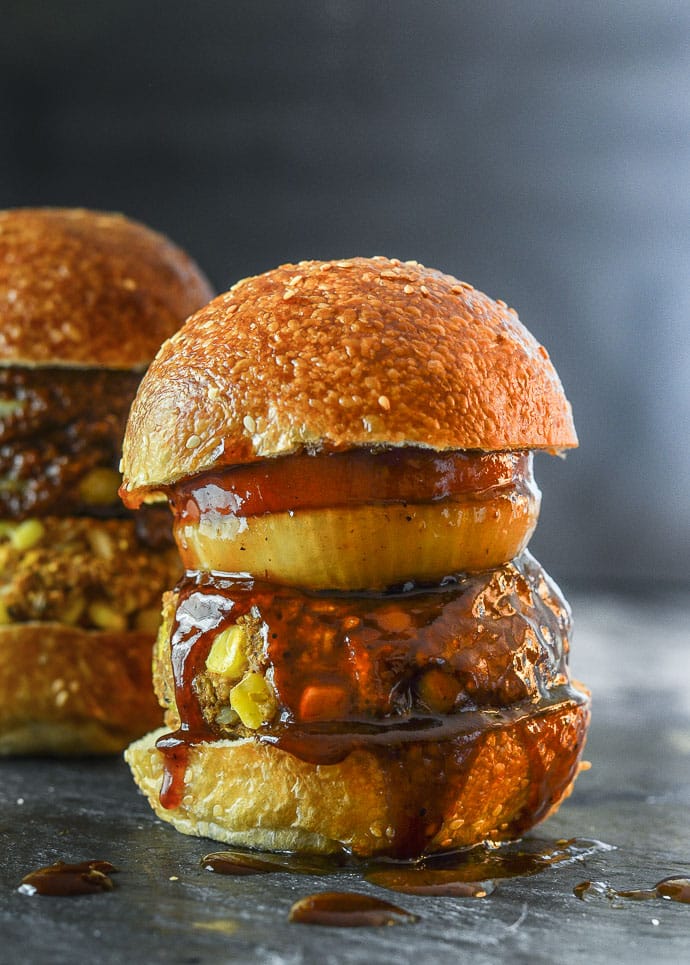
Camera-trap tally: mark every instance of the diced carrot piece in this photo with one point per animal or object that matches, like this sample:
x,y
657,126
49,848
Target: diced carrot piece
x,y
323,702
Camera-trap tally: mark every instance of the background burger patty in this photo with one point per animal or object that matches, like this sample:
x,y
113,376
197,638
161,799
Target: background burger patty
x,y
91,573
57,426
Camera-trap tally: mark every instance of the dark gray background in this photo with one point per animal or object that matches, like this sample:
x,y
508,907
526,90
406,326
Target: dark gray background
x,y
540,150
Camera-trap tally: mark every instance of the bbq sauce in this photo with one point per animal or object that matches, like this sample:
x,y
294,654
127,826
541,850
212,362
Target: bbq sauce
x,y
430,882
376,646
477,868
671,889
470,873
461,874
237,862
349,910
674,889
304,482
62,880
202,613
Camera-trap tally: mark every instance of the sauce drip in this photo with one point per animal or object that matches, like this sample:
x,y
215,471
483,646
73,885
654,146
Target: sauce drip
x,y
348,909
61,879
674,889
236,862
427,881
200,616
671,889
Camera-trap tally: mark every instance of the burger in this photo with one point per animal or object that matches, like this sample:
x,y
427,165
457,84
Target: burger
x,y
86,298
362,656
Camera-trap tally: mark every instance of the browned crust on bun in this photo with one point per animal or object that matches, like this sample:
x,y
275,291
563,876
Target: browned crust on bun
x,y
334,355
87,288
64,690
247,793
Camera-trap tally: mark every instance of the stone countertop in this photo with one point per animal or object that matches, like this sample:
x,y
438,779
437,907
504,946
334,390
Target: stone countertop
x,y
635,657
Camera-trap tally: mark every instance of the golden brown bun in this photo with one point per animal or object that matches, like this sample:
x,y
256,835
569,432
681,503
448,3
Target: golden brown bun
x,y
341,354
85,288
65,690
246,793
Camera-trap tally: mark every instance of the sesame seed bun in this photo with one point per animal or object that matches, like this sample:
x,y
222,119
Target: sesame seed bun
x,y
66,690
335,355
85,288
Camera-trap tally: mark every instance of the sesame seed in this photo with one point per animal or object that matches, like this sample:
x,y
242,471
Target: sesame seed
x,y
129,284
249,424
193,442
384,402
424,290
408,289
240,366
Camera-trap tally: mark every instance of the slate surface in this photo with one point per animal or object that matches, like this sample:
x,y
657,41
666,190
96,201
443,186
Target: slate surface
x,y
636,658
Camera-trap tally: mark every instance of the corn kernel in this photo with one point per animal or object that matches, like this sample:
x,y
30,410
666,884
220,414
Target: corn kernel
x,y
253,701
106,617
27,534
101,544
228,655
323,702
73,610
99,486
9,407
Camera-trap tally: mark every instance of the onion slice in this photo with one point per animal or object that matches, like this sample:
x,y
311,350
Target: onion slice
x,y
371,546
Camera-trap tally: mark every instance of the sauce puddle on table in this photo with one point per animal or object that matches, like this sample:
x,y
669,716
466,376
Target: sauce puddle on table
x,y
461,874
347,909
670,889
66,880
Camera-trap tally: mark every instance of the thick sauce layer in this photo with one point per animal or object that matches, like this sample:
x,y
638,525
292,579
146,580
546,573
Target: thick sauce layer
x,y
327,480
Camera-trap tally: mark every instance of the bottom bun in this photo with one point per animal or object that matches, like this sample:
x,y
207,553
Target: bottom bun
x,y
489,784
65,690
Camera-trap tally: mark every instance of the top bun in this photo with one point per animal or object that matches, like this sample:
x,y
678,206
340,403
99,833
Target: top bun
x,y
84,288
333,355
